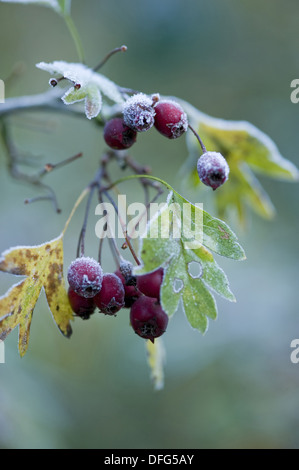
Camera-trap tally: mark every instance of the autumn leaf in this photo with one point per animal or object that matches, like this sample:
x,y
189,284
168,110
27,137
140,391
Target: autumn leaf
x,y
247,151
43,266
156,358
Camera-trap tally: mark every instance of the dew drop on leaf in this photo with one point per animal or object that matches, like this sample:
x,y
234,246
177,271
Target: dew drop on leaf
x,y
195,269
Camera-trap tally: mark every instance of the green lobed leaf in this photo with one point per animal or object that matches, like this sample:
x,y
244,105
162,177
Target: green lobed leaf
x,y
198,304
90,94
216,234
212,275
176,257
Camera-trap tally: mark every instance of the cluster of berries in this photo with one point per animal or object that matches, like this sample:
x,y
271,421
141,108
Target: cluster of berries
x,y
141,112
90,288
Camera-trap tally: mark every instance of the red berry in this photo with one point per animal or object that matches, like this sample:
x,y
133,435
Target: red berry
x,y
81,306
85,276
147,318
170,119
149,284
139,113
126,268
117,135
212,169
111,297
131,291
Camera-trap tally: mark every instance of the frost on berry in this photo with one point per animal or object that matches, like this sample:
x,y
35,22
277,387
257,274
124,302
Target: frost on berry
x,y
212,169
111,297
148,319
118,135
126,269
139,113
170,120
85,276
81,306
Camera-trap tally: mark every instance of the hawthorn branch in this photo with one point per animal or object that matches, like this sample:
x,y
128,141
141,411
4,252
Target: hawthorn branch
x,y
48,100
36,178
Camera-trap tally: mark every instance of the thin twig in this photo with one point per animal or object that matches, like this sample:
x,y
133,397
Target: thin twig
x,y
203,148
124,229
110,54
112,243
145,213
81,241
35,179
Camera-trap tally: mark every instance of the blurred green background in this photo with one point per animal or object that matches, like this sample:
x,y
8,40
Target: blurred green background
x,y
234,387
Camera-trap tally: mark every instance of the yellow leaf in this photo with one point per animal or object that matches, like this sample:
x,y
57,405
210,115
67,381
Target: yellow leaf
x,y
156,358
43,266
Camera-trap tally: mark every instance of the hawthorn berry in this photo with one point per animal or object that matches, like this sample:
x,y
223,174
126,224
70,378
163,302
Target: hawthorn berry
x,y
212,169
170,120
139,113
118,135
85,276
126,268
149,284
131,291
111,297
83,307
148,319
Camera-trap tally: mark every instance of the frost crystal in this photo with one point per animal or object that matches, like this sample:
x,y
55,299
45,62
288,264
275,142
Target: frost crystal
x,y
139,113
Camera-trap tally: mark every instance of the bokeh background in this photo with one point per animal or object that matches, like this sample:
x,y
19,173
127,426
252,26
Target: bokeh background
x,y
236,386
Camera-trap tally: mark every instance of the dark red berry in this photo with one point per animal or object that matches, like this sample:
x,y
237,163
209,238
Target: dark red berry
x,y
81,306
117,135
131,291
147,318
149,284
85,276
170,119
111,297
139,113
212,169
